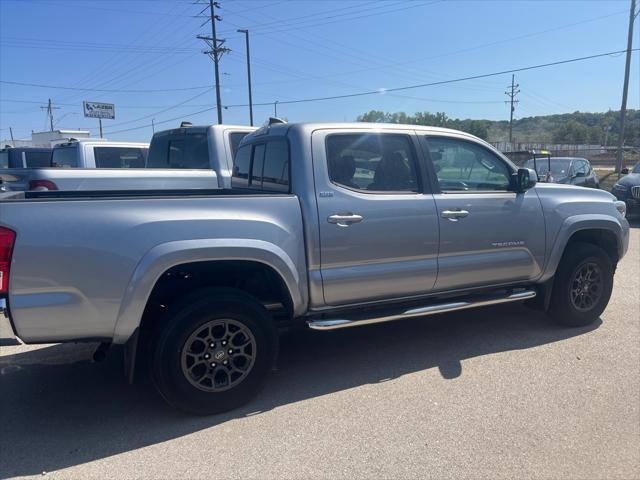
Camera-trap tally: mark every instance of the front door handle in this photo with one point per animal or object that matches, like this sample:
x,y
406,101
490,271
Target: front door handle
x,y
454,215
344,219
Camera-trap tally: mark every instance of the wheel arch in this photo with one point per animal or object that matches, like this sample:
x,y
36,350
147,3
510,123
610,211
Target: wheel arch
x,y
198,255
601,230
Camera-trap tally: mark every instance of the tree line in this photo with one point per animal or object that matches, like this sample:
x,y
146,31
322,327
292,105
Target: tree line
x,y
571,128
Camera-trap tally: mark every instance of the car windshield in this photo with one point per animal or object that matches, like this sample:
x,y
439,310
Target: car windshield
x,y
559,166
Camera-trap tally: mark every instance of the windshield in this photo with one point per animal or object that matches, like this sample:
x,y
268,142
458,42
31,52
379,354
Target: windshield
x,y
636,169
559,167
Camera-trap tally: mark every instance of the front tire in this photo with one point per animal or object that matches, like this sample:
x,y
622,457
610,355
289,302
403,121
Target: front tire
x,y
583,285
214,352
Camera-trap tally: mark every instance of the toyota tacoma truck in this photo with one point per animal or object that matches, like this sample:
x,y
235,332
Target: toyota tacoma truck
x,y
323,226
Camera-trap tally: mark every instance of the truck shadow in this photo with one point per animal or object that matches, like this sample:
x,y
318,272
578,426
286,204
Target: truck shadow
x,y
57,409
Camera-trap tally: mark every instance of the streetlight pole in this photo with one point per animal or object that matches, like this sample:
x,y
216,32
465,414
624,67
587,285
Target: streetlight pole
x,y
246,37
275,108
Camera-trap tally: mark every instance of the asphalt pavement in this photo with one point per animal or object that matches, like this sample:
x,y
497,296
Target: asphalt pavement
x,y
500,392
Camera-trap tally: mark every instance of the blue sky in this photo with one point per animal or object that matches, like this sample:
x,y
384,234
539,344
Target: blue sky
x,y
305,49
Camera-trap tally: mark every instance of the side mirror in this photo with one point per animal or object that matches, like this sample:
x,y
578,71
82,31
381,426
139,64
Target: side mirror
x,y
624,171
526,178
580,174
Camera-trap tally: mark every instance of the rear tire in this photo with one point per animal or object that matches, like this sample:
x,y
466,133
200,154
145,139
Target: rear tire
x,y
582,286
214,351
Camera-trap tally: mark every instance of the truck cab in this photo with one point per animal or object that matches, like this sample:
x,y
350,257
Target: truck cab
x,y
211,147
97,153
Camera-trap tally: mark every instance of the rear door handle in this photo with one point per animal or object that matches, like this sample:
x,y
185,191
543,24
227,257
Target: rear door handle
x,y
344,219
454,215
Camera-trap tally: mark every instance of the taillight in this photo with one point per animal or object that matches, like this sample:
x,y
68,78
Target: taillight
x,y
42,185
7,239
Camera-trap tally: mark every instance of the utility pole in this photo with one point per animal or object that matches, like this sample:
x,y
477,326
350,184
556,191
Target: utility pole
x,y
13,142
49,108
625,88
216,51
512,100
100,125
246,36
275,108
153,126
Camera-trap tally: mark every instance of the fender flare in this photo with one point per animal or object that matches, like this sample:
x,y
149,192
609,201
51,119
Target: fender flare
x,y
576,223
167,255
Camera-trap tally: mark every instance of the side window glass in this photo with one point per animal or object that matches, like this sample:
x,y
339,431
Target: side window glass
x,y
65,157
119,157
234,141
276,166
241,166
372,162
256,166
463,166
4,159
581,167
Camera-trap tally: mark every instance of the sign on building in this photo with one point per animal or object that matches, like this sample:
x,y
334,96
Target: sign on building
x,y
99,110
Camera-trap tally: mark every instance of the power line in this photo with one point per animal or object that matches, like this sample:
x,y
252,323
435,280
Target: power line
x,y
59,87
442,82
383,91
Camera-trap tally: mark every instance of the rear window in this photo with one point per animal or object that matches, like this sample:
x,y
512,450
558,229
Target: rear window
x,y
188,151
65,157
37,159
120,157
4,159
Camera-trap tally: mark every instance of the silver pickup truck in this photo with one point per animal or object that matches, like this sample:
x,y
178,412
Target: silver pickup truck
x,y
325,226
181,158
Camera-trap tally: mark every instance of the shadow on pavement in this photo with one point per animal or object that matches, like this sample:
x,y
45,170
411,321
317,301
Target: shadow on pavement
x,y
57,409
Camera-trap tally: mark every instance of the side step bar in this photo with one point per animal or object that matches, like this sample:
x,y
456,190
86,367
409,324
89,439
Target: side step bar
x,y
337,323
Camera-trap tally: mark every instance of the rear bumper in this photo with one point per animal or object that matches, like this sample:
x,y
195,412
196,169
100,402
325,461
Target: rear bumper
x,y
6,329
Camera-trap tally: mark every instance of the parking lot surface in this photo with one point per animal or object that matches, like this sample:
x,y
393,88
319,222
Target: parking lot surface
x,y
498,392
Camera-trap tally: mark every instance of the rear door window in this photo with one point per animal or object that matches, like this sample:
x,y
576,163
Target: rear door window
x,y
275,176
4,159
65,157
120,157
263,166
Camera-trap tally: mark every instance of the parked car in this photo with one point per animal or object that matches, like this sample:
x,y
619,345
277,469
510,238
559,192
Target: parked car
x,y
567,170
198,147
627,189
328,226
25,157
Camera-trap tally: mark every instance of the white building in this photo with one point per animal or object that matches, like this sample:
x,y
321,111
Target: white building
x,y
47,139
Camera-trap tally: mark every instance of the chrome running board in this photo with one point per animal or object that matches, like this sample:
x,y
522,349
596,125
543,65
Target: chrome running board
x,y
337,323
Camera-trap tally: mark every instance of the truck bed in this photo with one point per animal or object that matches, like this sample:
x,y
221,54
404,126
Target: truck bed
x,y
96,249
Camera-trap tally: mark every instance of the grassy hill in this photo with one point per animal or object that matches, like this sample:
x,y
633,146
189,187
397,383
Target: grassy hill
x,y
573,128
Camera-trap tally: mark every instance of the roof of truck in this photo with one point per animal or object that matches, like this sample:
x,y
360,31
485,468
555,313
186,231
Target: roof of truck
x,y
283,128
